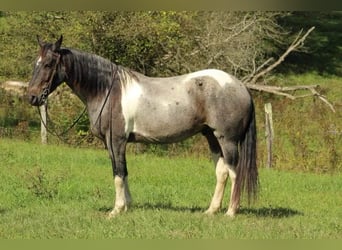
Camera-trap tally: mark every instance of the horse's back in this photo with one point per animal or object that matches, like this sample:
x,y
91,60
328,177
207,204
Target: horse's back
x,y
216,80
218,90
222,78
173,108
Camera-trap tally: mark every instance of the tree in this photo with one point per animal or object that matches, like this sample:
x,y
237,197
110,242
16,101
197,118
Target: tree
x,y
18,46
232,41
164,43
140,40
323,52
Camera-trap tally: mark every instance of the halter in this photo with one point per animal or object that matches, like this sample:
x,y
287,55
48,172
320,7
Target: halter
x,y
45,95
46,90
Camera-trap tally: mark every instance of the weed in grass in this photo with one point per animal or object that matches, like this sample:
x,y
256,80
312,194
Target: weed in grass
x,y
40,184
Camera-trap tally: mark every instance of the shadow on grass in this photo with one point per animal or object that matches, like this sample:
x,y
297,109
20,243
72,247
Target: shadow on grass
x,y
2,211
277,212
159,206
168,206
274,212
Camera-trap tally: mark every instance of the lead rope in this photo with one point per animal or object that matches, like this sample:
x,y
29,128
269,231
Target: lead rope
x,y
106,99
53,132
59,136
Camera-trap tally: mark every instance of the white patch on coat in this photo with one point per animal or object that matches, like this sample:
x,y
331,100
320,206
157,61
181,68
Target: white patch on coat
x,y
220,76
131,92
39,60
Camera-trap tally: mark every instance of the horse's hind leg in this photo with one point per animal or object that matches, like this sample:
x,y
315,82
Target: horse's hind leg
x,y
225,155
231,157
221,171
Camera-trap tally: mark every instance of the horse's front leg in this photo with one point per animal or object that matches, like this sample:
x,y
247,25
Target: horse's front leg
x,y
122,196
117,151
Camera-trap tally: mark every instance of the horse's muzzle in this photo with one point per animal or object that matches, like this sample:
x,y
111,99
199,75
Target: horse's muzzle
x,y
37,100
34,100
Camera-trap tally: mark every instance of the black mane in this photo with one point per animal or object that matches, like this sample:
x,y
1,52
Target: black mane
x,y
93,72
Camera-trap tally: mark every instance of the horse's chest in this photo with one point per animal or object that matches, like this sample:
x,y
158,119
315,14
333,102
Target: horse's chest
x,y
130,100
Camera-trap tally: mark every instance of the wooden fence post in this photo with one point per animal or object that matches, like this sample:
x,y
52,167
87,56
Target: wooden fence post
x,y
269,133
43,123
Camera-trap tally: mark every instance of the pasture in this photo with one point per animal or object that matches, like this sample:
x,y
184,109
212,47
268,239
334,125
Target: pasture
x,y
60,192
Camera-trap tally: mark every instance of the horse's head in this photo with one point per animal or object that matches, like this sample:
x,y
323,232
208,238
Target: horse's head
x,y
47,73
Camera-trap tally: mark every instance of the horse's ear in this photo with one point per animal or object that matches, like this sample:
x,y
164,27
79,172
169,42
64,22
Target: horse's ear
x,y
58,44
40,42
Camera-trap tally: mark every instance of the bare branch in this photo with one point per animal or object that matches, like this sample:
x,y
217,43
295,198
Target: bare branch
x,y
297,43
281,91
246,79
269,89
250,81
245,23
315,93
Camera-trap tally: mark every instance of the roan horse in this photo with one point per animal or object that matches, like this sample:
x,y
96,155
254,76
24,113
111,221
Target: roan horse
x,y
126,106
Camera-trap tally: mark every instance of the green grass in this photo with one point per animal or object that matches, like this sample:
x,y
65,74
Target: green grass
x,y
62,192
308,135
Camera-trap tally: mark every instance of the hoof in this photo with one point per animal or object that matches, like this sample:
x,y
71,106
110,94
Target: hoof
x,y
230,213
113,214
116,212
211,211
207,212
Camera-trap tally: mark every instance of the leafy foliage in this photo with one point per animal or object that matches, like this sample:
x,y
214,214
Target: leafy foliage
x,y
152,42
173,42
323,48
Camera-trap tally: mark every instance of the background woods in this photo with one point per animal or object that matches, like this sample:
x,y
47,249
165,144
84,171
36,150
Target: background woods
x,y
154,43
163,43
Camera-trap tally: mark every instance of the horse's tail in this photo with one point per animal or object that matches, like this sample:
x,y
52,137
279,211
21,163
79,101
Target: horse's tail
x,y
247,171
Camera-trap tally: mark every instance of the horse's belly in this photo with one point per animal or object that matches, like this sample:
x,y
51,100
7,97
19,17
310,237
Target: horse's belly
x,y
161,138
166,129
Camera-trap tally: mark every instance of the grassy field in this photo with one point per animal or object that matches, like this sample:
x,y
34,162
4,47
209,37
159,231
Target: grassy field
x,y
62,192
308,135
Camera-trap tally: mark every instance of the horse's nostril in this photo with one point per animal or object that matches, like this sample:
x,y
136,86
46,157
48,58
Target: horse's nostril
x,y
33,100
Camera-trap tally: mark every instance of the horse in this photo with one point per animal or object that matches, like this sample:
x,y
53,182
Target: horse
x,y
125,106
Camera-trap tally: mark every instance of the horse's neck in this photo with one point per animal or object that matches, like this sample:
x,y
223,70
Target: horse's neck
x,y
91,78
88,75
